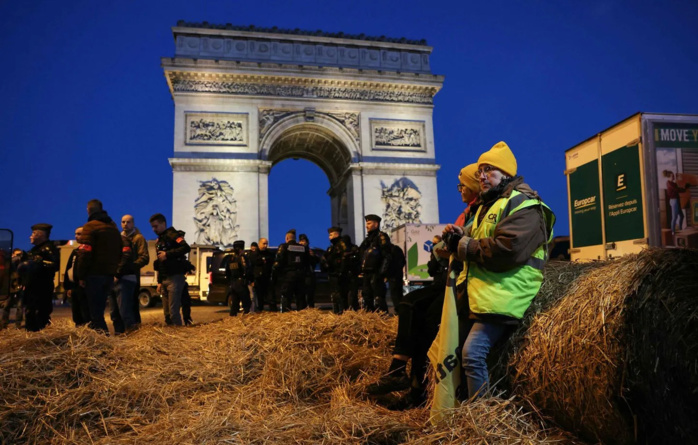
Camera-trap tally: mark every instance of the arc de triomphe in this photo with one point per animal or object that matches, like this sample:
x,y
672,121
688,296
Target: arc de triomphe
x,y
247,98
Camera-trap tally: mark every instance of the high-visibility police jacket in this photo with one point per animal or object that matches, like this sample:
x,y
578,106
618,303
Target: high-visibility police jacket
x,y
509,292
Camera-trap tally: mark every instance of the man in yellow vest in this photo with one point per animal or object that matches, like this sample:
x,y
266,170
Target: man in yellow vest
x,y
505,250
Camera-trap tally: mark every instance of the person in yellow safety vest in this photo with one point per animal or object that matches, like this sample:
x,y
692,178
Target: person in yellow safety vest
x,y
505,250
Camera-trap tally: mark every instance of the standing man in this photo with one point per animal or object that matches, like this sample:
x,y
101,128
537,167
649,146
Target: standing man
x,y
396,275
122,301
102,256
332,262
310,281
262,262
40,270
142,258
237,274
351,269
290,266
15,296
171,266
505,250
71,283
375,260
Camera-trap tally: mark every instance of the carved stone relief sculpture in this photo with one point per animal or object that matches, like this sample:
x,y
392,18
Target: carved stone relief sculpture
x,y
401,204
268,117
216,129
398,135
215,214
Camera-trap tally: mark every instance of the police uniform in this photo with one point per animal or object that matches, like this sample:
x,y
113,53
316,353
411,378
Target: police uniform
x,y
71,282
236,272
290,270
375,261
332,262
43,263
171,272
310,281
262,262
350,270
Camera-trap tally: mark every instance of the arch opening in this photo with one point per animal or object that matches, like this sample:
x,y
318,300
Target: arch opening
x,y
320,148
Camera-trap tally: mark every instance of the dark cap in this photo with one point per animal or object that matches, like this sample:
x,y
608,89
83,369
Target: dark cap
x,y
302,237
373,217
335,229
240,244
43,227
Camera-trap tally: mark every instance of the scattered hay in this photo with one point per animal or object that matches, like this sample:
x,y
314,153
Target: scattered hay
x,y
263,378
610,350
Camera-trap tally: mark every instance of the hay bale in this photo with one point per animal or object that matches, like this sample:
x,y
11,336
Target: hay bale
x,y
262,378
613,354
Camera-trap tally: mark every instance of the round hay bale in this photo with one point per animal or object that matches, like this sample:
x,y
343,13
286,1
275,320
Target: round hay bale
x,y
613,356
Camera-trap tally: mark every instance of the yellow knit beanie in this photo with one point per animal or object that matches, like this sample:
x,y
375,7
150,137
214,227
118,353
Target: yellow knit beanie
x,y
499,156
468,179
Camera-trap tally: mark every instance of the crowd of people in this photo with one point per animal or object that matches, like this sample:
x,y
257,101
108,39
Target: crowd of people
x,y
359,277
104,267
495,251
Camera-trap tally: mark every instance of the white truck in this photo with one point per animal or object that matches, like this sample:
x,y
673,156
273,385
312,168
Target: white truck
x,y
415,240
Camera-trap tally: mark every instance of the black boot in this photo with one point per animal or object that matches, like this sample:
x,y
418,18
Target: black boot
x,y
396,379
415,398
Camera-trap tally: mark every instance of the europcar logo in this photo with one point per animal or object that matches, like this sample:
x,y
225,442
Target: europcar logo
x,y
586,202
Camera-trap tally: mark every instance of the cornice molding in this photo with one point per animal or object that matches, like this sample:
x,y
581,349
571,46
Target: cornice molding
x,y
298,87
219,165
385,168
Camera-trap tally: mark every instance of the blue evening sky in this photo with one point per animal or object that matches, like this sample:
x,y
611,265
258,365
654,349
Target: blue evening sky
x,y
86,111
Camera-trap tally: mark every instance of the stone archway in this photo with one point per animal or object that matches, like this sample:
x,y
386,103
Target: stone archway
x,y
247,98
318,138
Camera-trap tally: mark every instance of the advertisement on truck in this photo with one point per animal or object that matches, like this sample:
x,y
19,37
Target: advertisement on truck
x,y
634,185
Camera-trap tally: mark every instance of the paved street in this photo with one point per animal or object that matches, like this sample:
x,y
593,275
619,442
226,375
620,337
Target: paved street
x,y
201,313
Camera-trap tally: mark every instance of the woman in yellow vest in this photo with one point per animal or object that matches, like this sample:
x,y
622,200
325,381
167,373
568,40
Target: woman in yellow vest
x,y
505,250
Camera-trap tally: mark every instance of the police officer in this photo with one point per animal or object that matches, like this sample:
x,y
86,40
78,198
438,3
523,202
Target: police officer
x,y
171,266
350,270
16,294
40,269
396,274
289,270
375,253
238,277
262,261
332,263
310,280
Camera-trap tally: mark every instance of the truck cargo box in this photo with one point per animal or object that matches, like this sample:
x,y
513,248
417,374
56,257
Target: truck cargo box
x,y
621,182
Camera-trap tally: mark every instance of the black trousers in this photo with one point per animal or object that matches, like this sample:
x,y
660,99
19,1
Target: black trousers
x,y
240,294
291,288
261,290
339,293
418,323
373,293
395,288
38,305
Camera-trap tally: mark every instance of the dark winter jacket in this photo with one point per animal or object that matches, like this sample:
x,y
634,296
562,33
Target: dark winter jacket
x,y
103,246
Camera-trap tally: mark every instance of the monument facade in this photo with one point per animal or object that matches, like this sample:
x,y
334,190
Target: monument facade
x,y
248,98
